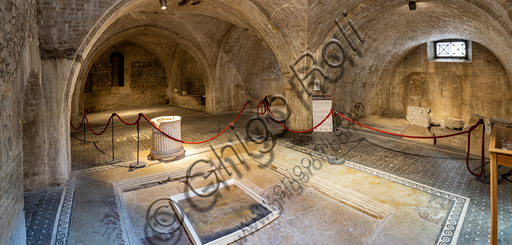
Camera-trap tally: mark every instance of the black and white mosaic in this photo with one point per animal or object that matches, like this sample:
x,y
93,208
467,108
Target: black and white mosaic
x,y
41,208
61,234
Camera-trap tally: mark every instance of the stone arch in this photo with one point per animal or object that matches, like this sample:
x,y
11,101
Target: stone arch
x,y
245,15
40,166
166,60
453,89
144,74
245,70
392,30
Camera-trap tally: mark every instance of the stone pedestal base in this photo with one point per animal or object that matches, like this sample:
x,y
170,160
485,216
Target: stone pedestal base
x,y
162,147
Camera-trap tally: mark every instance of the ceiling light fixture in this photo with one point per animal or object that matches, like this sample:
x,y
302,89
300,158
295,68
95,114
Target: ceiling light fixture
x,y
412,5
163,3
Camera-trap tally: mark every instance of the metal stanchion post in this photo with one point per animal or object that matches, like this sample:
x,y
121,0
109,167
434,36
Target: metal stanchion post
x,y
138,163
335,160
85,142
114,160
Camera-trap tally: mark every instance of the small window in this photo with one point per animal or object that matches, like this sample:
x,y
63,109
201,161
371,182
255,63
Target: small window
x,y
117,62
451,49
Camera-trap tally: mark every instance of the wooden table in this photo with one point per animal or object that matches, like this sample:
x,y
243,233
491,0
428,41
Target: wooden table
x,y
499,155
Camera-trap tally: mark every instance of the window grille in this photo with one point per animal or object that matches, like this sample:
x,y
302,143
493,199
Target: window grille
x,y
451,49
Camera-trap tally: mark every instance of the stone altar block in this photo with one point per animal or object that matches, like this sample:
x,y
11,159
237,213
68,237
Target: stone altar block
x,y
162,147
419,120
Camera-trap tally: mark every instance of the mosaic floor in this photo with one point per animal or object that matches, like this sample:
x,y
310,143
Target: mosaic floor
x,y
41,208
439,169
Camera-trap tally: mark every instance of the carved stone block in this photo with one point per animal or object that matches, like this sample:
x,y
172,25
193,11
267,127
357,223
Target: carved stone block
x,y
418,116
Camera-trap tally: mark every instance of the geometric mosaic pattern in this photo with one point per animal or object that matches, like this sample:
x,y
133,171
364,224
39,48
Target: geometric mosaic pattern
x,y
65,216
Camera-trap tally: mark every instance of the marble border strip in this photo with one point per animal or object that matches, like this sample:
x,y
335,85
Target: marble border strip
x,y
127,163
100,168
64,214
450,231
126,224
56,223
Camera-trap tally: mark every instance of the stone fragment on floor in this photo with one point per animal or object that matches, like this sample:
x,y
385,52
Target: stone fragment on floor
x,y
452,123
418,116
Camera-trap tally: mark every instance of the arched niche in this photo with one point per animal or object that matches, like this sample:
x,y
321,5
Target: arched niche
x,y
143,75
187,81
452,89
246,70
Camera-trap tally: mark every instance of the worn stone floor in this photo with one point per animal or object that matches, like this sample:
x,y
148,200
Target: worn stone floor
x,y
427,187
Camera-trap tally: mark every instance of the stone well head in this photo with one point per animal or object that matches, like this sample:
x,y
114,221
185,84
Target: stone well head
x,y
163,147
165,120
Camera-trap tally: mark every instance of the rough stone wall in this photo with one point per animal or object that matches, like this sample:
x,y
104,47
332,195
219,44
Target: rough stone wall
x,y
35,166
191,78
287,28
144,81
186,75
18,49
58,157
64,24
246,70
508,6
148,84
452,89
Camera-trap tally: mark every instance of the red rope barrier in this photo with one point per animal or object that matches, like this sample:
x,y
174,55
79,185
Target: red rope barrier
x,y
117,115
108,123
293,131
81,122
200,142
409,136
331,113
482,160
436,137
258,108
